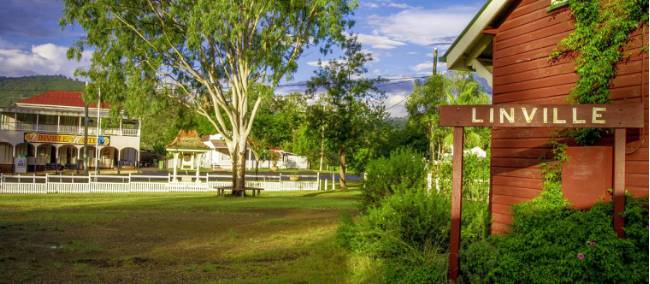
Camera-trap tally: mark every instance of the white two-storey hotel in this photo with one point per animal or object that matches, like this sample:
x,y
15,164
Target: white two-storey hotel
x,y
47,131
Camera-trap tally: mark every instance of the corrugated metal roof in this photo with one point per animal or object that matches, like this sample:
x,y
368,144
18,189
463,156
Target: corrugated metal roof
x,y
59,98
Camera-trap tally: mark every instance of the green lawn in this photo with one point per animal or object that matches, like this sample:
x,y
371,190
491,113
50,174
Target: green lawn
x,y
193,237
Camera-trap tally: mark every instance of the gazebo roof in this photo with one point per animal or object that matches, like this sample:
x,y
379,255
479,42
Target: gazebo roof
x,y
187,140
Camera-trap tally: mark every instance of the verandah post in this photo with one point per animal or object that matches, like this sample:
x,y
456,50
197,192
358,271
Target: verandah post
x,y
619,180
456,202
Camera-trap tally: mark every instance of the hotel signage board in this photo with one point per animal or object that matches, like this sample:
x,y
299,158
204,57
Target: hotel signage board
x,y
561,116
66,139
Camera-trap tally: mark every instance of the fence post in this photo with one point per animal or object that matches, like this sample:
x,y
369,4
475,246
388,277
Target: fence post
x,y
325,184
47,183
281,184
318,180
429,180
333,182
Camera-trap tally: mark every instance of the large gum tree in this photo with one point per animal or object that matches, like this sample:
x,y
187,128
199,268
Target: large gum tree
x,y
207,55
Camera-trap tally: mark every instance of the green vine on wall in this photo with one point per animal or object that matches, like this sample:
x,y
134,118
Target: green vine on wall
x,y
602,27
552,196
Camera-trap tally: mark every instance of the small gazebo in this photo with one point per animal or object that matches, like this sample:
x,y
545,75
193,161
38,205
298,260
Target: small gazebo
x,y
189,147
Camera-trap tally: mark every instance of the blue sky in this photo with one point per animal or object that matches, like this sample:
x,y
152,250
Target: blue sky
x,y
399,34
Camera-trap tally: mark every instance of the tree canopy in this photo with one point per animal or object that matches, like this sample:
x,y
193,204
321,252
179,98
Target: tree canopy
x,y
206,55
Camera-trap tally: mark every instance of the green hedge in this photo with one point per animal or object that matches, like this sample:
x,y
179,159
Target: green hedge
x,y
404,169
563,245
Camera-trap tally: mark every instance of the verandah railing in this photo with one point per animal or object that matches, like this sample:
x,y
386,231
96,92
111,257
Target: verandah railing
x,y
25,184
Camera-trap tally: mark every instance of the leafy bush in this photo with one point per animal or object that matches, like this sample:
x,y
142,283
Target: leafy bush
x,y
550,244
476,176
403,169
407,234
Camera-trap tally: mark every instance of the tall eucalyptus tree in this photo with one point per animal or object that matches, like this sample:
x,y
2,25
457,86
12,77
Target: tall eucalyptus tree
x,y
210,52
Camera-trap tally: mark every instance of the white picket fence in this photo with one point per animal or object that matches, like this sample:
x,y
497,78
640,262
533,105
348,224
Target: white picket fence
x,y
20,184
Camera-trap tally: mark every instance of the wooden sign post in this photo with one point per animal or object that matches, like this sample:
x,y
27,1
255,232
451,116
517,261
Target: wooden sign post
x,y
617,116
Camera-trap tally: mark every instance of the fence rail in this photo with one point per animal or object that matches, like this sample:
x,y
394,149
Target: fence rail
x,y
33,184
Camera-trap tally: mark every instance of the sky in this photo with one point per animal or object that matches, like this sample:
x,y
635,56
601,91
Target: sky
x,y
399,34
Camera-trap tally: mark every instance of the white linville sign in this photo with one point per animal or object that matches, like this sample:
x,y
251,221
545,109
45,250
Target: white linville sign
x,y
569,116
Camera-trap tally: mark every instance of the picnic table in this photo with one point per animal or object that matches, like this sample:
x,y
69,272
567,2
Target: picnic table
x,y
221,190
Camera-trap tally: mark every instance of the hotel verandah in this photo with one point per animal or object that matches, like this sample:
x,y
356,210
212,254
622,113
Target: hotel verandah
x,y
47,129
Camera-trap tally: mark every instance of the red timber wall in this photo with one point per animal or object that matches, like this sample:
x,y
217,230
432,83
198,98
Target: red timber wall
x,y
524,74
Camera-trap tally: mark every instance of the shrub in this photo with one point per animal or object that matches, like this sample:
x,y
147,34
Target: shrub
x,y
408,232
403,169
476,176
563,245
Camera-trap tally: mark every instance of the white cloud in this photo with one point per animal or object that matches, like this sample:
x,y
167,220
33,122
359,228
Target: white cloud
x,y
396,104
423,27
44,59
323,63
425,68
385,3
379,42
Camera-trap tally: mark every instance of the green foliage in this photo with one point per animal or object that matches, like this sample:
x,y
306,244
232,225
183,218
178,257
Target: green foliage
x,y
278,119
456,88
553,243
601,30
407,235
476,176
552,196
404,169
211,57
564,246
350,109
14,89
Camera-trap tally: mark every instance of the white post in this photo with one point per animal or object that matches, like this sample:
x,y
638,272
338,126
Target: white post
x,y
429,179
333,182
318,180
175,163
325,184
198,166
119,156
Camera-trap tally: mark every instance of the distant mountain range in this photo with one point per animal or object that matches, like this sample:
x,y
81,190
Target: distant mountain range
x,y
13,89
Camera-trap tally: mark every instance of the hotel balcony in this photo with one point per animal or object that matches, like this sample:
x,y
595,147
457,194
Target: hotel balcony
x,y
68,129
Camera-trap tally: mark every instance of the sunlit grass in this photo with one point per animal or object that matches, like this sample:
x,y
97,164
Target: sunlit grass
x,y
190,237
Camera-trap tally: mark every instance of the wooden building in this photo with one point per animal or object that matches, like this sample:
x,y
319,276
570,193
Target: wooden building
x,y
509,43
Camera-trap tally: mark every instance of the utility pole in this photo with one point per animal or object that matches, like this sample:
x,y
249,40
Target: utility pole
x,y
431,124
435,61
86,164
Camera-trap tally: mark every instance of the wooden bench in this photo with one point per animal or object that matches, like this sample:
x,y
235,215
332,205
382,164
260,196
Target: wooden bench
x,y
221,190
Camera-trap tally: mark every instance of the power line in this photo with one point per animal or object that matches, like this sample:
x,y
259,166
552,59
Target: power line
x,y
385,81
